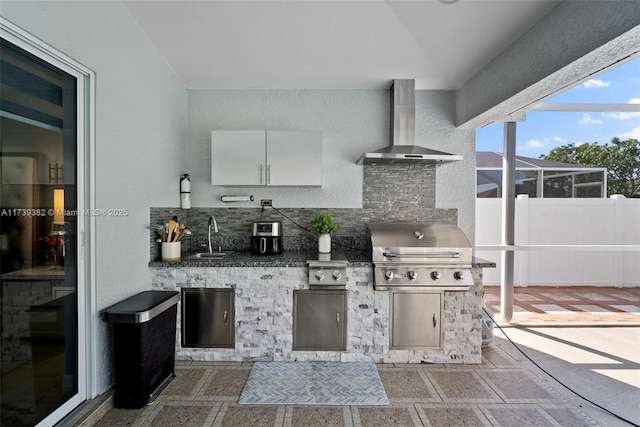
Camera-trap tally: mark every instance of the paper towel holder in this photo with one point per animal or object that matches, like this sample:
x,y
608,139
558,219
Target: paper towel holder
x,y
228,199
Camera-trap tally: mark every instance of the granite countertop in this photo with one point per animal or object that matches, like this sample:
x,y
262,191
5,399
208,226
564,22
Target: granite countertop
x,y
482,263
248,259
286,259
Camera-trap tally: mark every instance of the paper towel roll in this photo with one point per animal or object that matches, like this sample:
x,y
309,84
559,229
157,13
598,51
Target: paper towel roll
x,y
237,198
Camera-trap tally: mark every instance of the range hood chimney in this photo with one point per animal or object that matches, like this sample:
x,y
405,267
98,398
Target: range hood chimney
x,y
403,131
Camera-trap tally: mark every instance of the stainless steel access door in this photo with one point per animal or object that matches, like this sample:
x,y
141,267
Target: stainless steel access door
x,y
319,320
416,320
208,318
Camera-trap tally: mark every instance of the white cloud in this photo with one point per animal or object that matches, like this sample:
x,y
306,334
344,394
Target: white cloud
x,y
536,143
621,116
595,83
633,134
624,115
588,120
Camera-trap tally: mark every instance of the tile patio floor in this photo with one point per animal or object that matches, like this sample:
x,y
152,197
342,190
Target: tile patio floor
x,y
501,391
496,393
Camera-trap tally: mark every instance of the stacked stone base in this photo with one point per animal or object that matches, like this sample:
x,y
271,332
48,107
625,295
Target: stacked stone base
x,y
264,317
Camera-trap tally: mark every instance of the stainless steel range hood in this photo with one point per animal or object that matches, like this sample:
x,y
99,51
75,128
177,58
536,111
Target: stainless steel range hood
x,y
403,122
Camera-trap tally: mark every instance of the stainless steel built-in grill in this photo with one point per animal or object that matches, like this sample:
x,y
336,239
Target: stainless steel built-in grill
x,y
418,256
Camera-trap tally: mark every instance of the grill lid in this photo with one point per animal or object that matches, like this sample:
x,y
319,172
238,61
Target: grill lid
x,y
419,243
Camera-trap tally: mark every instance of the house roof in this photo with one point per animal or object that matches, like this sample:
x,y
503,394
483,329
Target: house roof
x,y
493,160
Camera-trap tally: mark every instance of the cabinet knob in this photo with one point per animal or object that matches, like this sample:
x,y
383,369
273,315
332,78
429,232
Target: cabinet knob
x,y
319,275
336,275
388,274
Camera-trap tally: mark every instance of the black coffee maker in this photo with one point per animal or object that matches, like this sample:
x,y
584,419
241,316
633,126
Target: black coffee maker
x,y
266,238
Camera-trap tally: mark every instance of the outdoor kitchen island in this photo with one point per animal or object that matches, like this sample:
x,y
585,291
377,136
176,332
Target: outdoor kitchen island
x,y
263,289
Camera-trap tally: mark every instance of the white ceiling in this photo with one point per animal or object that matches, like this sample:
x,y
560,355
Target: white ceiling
x,y
344,44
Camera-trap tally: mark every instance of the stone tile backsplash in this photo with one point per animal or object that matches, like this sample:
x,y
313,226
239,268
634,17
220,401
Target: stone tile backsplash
x,y
403,192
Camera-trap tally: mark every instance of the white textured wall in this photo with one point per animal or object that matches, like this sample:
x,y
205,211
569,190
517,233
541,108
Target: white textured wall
x,y
140,129
351,121
455,181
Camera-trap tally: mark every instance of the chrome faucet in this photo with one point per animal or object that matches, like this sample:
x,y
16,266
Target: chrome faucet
x,y
212,220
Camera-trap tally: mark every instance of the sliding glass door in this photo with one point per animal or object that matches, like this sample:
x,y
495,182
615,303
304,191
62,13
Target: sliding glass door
x,y
38,238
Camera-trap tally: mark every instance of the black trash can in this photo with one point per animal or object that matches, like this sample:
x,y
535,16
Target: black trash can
x,y
144,335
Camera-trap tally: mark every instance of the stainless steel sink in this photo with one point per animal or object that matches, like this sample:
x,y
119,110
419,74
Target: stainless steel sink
x,y
209,255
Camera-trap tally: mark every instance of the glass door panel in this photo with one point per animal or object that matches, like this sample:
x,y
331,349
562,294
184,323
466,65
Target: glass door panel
x,y
38,271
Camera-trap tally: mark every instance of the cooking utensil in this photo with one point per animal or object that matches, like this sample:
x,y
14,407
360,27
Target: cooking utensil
x,y
186,232
178,232
172,227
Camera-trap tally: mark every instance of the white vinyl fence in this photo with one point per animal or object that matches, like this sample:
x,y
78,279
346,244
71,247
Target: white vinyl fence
x,y
570,242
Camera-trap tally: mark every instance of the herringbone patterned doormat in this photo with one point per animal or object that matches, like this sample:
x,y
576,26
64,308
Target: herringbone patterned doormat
x,y
313,383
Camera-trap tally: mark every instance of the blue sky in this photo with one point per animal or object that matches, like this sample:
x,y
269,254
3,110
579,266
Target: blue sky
x,y
543,131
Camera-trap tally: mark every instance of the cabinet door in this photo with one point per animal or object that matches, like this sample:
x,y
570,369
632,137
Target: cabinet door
x,y
294,158
208,318
238,157
416,320
319,320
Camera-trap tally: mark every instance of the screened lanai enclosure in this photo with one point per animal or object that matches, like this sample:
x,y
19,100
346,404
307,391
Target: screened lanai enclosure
x,y
539,178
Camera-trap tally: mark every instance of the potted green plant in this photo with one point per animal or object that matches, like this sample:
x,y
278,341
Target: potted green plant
x,y
324,226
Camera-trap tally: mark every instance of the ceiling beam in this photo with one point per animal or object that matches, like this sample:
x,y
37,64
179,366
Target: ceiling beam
x,y
590,107
576,41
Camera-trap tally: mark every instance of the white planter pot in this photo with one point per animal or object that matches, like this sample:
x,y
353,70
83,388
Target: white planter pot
x,y
324,243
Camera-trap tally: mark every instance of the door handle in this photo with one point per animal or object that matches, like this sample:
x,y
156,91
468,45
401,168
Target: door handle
x,y
226,317
268,174
434,320
261,174
337,320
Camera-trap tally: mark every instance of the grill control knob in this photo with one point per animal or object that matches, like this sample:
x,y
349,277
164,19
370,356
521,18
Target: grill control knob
x,y
336,275
319,275
388,274
435,275
458,275
412,275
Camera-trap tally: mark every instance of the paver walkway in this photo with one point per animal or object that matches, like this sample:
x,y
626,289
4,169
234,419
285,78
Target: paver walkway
x,y
572,304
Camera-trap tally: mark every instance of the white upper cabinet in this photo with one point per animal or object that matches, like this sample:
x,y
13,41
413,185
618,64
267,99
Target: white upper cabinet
x,y
294,157
282,158
238,157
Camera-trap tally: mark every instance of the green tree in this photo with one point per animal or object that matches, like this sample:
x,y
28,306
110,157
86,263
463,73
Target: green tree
x,y
621,158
